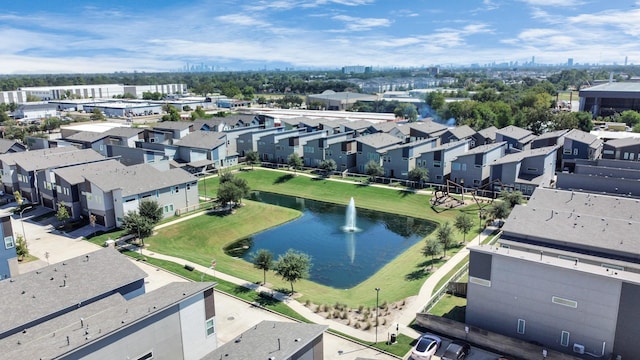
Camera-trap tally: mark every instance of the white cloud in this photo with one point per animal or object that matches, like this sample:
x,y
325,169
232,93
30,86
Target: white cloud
x,y
554,3
361,24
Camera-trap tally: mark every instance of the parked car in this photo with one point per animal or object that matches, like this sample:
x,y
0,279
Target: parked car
x,y
427,345
457,350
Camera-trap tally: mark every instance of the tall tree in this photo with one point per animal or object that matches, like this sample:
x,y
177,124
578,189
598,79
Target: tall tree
x,y
97,114
252,158
293,266
294,161
432,248
373,169
499,210
418,175
62,214
151,210
263,260
328,166
444,234
228,193
464,224
511,197
138,225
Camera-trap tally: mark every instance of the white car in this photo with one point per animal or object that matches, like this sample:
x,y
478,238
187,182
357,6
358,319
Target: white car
x,y
427,345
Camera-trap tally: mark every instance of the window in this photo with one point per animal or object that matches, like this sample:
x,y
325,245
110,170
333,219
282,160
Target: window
x,y
455,166
532,169
464,167
575,151
564,338
436,164
168,208
210,327
566,151
476,182
564,302
608,152
8,242
147,356
521,324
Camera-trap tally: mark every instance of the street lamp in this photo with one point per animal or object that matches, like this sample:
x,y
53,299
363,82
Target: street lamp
x,y
24,235
377,298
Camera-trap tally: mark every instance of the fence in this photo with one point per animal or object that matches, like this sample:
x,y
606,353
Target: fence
x,y
205,205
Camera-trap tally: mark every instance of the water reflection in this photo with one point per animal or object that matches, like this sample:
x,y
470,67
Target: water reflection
x,y
340,259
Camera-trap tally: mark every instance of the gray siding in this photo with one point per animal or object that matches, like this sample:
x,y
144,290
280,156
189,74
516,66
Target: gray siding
x,y
628,326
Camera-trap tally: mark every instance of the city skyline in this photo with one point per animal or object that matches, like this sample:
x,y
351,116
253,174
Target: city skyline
x,y
95,37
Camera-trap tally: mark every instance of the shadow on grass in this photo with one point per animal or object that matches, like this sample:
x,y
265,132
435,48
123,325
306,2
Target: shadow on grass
x,y
283,179
406,192
239,289
457,313
265,299
416,275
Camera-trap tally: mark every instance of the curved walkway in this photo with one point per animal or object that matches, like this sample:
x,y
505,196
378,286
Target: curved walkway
x,y
414,305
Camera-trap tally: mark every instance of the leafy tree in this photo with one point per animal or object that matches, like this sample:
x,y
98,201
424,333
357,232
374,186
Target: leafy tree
x,y
435,100
499,210
585,122
172,114
228,193
294,161
316,105
247,92
512,198
262,100
636,129
464,224
226,176
406,111
293,266
373,169
18,196
22,249
135,224
151,210
432,248
630,117
198,113
328,166
419,175
97,114
444,235
62,214
252,158
263,260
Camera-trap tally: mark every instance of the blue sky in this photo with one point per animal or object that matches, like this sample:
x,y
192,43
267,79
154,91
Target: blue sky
x,y
44,36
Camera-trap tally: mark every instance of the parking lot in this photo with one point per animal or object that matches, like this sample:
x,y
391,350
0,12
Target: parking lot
x,y
474,354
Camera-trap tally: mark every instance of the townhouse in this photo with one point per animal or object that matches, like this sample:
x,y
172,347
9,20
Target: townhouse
x,y
515,137
340,147
524,171
473,165
438,159
374,147
622,149
579,145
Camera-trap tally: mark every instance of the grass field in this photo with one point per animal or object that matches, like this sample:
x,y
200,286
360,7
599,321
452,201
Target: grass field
x,y
203,238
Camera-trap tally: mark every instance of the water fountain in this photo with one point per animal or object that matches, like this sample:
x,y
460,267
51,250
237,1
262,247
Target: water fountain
x,y
350,219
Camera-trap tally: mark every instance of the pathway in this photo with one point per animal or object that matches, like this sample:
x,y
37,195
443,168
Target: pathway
x,y
414,304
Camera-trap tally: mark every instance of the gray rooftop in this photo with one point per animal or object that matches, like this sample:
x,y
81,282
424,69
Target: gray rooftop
x,y
138,179
583,137
173,125
379,140
515,132
552,134
428,127
613,87
202,140
35,295
76,174
100,319
6,144
462,132
484,148
343,96
51,158
86,136
357,125
124,132
618,143
521,155
269,340
488,133
568,218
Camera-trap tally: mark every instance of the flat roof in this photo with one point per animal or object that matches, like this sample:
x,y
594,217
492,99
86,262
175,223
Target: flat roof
x,y
269,340
556,262
38,294
94,126
574,219
99,320
614,87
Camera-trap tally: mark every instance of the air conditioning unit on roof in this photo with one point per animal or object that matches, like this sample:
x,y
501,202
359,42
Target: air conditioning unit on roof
x,y
578,348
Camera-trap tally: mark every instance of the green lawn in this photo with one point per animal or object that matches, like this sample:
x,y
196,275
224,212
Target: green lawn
x,y
204,238
450,307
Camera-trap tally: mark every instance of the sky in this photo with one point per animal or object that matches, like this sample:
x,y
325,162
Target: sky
x,y
70,36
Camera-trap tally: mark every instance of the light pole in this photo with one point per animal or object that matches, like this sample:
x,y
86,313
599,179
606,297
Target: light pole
x,y
377,298
24,235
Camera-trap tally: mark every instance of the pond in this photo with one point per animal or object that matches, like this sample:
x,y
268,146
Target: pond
x,y
341,259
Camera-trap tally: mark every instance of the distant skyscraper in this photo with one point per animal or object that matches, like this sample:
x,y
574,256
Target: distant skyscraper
x,y
570,61
533,60
625,60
